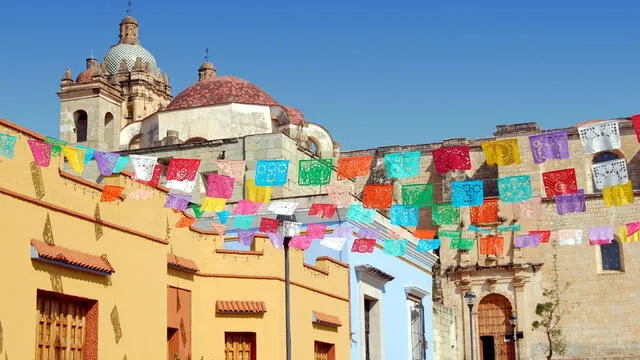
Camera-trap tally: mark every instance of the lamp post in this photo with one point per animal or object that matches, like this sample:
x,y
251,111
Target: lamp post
x,y
513,320
470,298
288,230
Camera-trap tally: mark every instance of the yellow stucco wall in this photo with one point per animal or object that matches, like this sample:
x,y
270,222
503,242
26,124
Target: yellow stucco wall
x,y
132,302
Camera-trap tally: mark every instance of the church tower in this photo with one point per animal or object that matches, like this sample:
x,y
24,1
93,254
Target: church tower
x,y
126,87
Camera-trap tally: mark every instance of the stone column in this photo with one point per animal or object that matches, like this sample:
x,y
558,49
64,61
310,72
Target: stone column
x,y
519,283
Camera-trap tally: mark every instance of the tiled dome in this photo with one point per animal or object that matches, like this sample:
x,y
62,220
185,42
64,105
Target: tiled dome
x,y
295,115
85,76
221,90
114,57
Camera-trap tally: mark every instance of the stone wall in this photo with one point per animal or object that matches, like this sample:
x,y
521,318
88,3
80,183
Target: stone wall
x,y
444,333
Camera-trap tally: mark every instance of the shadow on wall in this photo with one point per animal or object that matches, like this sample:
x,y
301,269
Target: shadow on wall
x,y
488,173
634,169
36,179
115,322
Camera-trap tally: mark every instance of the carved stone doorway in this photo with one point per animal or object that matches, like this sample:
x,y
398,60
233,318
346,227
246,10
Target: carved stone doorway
x,y
493,323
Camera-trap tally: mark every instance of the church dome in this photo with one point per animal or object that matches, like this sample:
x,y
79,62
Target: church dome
x,y
129,53
85,76
221,90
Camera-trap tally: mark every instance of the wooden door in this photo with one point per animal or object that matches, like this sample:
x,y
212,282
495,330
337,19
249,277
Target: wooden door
x,y
60,329
323,351
493,321
240,346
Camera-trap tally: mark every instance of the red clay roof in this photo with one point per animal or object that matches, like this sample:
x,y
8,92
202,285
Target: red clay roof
x,y
295,115
85,76
326,319
71,257
181,263
241,307
221,90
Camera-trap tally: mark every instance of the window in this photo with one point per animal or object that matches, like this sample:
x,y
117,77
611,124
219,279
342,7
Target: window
x,y
62,326
239,346
324,351
610,255
602,157
371,283
80,120
416,311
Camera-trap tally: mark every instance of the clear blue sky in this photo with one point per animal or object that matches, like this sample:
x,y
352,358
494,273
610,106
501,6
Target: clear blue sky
x,y
372,72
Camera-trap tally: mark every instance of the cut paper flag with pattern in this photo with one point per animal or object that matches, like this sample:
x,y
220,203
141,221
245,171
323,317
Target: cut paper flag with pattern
x,y
461,244
528,209
610,173
467,193
445,214
75,157
487,213
626,237
56,145
570,237
155,177
368,233
427,245
560,182
550,145
507,228
635,121
41,152
246,207
276,240
357,213
256,193
271,172
571,203
232,168
245,237
218,228
514,189
333,242
314,172
501,152
143,166
492,245
197,210
210,204
601,136
545,235
377,196
106,161
355,166
402,165
185,222
601,235
451,158
395,247
529,240
181,169
316,231
177,201
632,227
223,216
302,242
122,162
291,228
403,216
140,194
618,195
323,210
365,246
474,228
111,193
417,195
88,153
340,195
424,233
268,225
184,186
243,221
283,207
220,186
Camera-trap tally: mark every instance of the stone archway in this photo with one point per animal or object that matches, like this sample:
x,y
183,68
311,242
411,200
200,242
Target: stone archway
x,y
493,323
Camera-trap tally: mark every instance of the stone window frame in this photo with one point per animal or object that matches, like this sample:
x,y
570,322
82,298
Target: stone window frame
x,y
371,282
415,295
598,250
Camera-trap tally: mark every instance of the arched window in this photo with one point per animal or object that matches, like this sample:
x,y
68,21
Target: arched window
x,y
611,256
80,120
108,119
603,157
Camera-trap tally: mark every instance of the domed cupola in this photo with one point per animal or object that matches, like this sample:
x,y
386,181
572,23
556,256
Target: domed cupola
x,y
129,49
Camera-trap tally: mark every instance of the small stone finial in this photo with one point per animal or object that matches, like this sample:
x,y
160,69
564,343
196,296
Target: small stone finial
x,y
207,70
165,78
67,75
124,67
137,66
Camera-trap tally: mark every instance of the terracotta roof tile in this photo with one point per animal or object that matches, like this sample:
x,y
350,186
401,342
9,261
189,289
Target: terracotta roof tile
x,y
218,91
181,263
326,319
295,115
71,257
241,307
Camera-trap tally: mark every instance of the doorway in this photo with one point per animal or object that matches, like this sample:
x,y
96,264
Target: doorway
x,y
493,323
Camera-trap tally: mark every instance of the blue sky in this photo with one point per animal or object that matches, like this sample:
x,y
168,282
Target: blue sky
x,y
373,73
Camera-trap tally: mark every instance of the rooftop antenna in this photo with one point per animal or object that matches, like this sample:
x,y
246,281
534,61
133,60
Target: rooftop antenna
x,y
129,8
206,54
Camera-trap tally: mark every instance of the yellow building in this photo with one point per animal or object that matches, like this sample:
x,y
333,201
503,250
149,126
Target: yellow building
x,y
118,280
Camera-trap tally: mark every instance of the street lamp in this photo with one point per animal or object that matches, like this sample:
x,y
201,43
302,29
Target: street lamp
x,y
513,320
288,228
470,298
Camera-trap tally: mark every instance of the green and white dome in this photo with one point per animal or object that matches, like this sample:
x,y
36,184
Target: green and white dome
x,y
129,53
